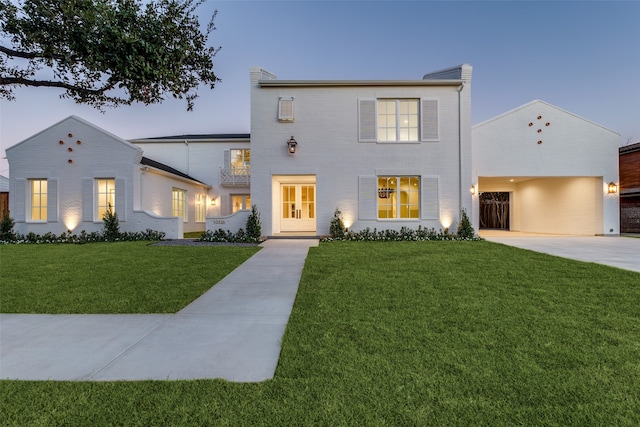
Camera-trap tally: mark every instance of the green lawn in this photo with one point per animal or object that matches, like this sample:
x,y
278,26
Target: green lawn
x,y
122,277
429,333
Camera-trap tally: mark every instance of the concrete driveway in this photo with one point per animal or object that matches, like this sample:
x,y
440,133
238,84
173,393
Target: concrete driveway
x,y
620,252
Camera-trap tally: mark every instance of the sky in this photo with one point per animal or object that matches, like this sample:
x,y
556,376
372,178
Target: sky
x,y
583,57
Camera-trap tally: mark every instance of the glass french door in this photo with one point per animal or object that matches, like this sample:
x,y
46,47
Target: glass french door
x,y
298,210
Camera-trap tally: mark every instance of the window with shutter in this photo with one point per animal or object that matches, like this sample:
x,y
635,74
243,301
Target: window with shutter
x,y
398,197
285,109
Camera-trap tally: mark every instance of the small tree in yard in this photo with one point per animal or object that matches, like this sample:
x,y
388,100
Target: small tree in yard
x,y
465,229
336,227
254,228
111,225
6,228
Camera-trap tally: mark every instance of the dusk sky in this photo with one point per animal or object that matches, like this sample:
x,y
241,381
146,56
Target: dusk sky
x,y
583,57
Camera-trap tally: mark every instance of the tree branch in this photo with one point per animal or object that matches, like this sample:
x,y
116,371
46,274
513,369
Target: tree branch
x,y
48,83
29,55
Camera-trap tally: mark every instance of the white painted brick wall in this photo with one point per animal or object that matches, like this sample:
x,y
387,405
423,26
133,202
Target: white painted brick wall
x,y
571,147
326,129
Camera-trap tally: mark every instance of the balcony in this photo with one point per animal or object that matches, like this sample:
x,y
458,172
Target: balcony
x,y
235,177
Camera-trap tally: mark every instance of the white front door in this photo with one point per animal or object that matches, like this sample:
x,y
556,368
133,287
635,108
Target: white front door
x,y
298,211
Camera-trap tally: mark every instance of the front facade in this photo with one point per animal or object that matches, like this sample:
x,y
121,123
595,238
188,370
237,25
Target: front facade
x,y
387,154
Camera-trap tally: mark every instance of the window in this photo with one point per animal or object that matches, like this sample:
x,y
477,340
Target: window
x,y
105,196
201,207
285,109
38,199
397,120
240,201
240,161
398,197
179,203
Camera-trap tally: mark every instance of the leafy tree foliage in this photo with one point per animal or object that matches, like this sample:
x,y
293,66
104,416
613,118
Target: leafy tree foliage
x,y
106,53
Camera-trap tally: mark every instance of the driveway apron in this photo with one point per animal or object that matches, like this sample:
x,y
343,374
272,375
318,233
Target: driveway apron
x,y
233,331
620,252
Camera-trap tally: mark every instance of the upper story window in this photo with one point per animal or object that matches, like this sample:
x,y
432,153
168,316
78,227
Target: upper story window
x,y
105,196
240,161
398,120
38,199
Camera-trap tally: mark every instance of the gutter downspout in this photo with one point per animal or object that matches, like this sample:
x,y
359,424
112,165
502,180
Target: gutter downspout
x,y
460,150
188,157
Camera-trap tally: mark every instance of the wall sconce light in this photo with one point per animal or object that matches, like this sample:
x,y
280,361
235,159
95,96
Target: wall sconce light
x,y
213,201
613,188
473,190
291,144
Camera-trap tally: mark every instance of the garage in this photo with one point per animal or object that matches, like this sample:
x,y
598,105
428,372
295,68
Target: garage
x,y
540,169
550,205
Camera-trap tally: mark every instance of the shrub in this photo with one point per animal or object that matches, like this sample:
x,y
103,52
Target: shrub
x,y
465,229
405,234
336,227
84,237
254,228
6,228
111,225
226,236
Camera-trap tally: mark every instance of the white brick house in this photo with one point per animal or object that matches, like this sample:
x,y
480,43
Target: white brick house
x,y
388,154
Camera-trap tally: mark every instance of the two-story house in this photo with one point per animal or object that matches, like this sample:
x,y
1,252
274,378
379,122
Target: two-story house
x,y
387,154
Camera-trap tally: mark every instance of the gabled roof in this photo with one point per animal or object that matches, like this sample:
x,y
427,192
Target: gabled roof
x,y
161,166
537,101
85,123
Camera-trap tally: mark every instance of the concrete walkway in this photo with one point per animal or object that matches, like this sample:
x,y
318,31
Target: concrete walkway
x,y
233,331
621,252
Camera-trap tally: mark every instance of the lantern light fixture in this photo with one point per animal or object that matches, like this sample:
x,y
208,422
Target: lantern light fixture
x,y
291,144
473,190
613,188
213,201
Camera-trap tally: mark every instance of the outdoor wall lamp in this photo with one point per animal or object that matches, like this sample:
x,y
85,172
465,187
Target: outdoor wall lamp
x,y
291,144
213,201
473,190
613,188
